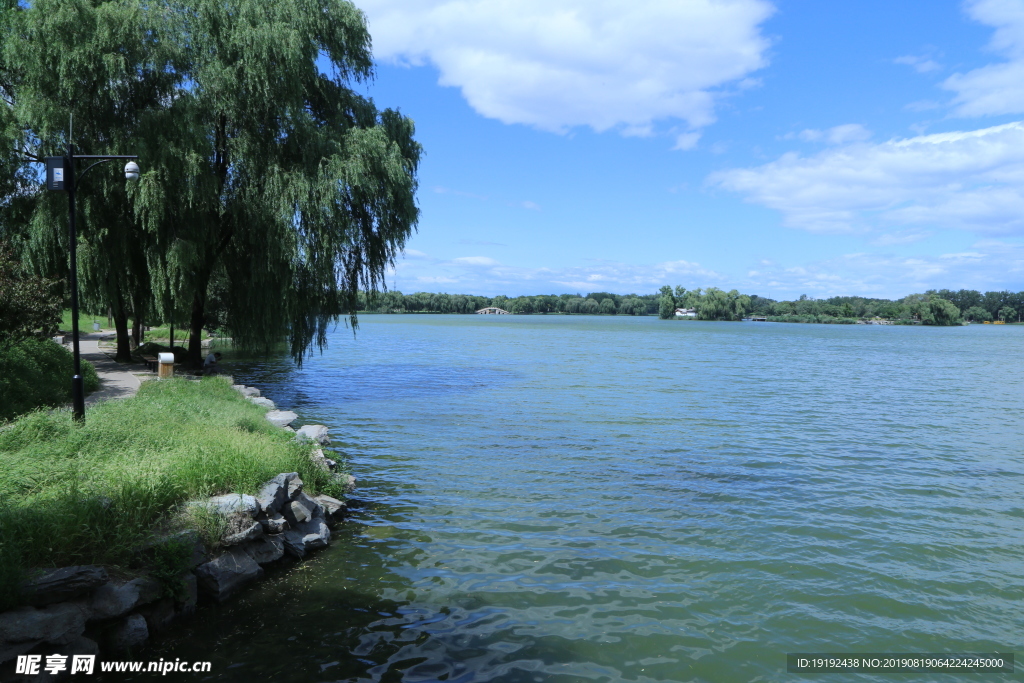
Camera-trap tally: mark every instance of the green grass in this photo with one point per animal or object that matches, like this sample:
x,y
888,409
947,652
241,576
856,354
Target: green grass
x,y
94,493
84,321
36,373
180,334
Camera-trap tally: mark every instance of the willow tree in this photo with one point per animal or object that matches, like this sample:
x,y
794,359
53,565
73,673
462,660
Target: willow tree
x,y
270,177
110,67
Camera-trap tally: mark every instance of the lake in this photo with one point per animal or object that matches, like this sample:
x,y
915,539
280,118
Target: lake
x,y
575,498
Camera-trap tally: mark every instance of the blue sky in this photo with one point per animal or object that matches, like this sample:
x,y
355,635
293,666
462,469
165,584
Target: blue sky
x,y
780,148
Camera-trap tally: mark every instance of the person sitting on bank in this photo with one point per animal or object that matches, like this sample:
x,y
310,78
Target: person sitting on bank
x,y
210,364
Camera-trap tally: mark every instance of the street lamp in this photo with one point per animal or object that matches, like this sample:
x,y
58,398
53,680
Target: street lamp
x,y
60,177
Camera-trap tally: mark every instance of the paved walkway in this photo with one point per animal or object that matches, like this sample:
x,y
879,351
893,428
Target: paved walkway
x,y
117,380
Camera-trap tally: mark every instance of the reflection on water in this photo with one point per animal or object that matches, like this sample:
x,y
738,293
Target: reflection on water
x,y
606,499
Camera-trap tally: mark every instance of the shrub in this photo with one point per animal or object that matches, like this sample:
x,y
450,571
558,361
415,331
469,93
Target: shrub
x,y
29,306
36,373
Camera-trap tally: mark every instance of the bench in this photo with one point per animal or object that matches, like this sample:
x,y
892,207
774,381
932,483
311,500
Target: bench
x,y
151,362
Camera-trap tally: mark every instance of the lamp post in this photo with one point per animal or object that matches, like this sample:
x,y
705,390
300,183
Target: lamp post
x,y
60,177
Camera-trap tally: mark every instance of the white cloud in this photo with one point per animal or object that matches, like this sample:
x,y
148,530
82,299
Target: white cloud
x,y
848,132
972,180
921,64
435,280
900,238
987,264
686,141
532,206
996,88
475,261
809,135
923,105
990,265
556,64
484,275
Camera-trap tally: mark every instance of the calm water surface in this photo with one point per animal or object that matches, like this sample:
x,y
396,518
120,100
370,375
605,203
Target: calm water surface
x,y
625,499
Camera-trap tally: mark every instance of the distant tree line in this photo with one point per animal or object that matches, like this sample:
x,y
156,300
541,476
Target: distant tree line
x,y
934,307
594,303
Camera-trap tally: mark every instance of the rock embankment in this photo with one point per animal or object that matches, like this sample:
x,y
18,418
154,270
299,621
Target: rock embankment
x,y
83,610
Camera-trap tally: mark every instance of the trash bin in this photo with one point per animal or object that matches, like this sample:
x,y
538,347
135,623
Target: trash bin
x,y
165,365
95,327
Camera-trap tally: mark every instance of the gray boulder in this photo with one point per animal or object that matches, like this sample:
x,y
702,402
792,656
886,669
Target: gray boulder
x,y
130,632
306,537
79,646
229,505
321,461
302,509
260,401
191,597
9,650
293,544
22,628
274,524
149,589
316,533
273,495
61,585
291,483
113,600
281,418
222,576
296,513
254,530
346,480
316,433
265,549
246,391
158,615
333,508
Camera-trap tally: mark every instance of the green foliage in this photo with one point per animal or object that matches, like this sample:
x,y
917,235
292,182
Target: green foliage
x,y
936,311
169,562
633,306
977,314
666,307
36,373
1007,314
29,306
104,487
715,304
271,191
298,188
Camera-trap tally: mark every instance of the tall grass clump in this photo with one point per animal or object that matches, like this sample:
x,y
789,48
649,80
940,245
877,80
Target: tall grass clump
x,y
94,493
36,373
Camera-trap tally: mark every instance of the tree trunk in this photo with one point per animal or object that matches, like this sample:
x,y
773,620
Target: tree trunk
x,y
120,317
138,311
195,347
